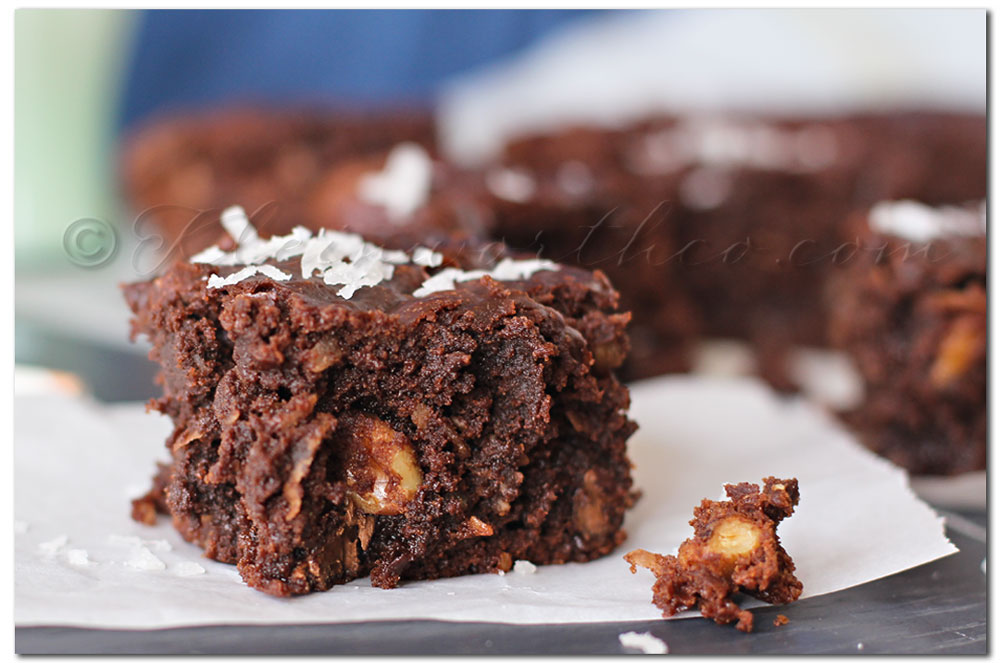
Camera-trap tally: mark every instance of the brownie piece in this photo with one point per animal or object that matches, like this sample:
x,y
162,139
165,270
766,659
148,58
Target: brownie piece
x,y
178,172
342,409
749,212
762,204
910,310
735,548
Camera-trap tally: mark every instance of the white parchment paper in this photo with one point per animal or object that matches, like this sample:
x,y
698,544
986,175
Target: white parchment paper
x,y
77,463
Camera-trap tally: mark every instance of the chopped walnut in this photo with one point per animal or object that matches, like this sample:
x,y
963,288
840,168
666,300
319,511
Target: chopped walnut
x,y
735,547
609,356
323,355
589,513
962,346
383,475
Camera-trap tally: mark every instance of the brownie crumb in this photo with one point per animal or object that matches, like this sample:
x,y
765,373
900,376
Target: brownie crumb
x,y
144,510
735,548
154,502
780,620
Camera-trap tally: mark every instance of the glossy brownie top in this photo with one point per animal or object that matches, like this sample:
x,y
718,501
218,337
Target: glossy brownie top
x,y
343,269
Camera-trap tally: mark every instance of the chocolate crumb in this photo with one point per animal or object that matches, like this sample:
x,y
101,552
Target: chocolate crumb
x,y
735,548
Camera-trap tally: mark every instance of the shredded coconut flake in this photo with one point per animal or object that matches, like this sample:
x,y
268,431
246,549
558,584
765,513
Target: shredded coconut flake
x,y
705,188
920,223
424,256
511,184
728,143
234,220
213,255
346,259
160,545
189,569
53,547
575,178
646,642
77,557
523,567
270,271
144,560
119,540
340,258
403,186
506,270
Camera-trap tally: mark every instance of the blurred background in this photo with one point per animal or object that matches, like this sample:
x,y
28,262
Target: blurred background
x,y
85,79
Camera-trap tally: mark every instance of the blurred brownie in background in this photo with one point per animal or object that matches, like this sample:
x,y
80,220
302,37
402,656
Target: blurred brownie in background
x,y
910,310
179,172
737,217
402,191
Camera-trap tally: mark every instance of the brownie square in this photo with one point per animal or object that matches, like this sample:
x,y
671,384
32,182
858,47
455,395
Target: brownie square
x,y
910,310
402,414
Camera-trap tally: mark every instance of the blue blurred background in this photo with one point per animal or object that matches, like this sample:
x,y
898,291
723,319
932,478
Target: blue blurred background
x,y
184,58
83,77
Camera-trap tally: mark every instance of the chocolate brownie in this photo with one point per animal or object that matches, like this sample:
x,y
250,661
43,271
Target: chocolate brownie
x,y
910,310
178,172
344,409
735,548
748,212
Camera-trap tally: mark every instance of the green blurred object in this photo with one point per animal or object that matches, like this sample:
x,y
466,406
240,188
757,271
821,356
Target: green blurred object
x,y
67,72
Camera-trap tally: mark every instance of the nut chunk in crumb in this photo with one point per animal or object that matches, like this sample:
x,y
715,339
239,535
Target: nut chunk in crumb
x,y
735,548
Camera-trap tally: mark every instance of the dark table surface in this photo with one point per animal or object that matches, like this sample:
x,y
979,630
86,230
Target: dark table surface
x,y
938,608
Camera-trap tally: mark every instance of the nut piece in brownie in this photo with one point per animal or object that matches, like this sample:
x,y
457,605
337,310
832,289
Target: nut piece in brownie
x,y
910,310
735,548
343,409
